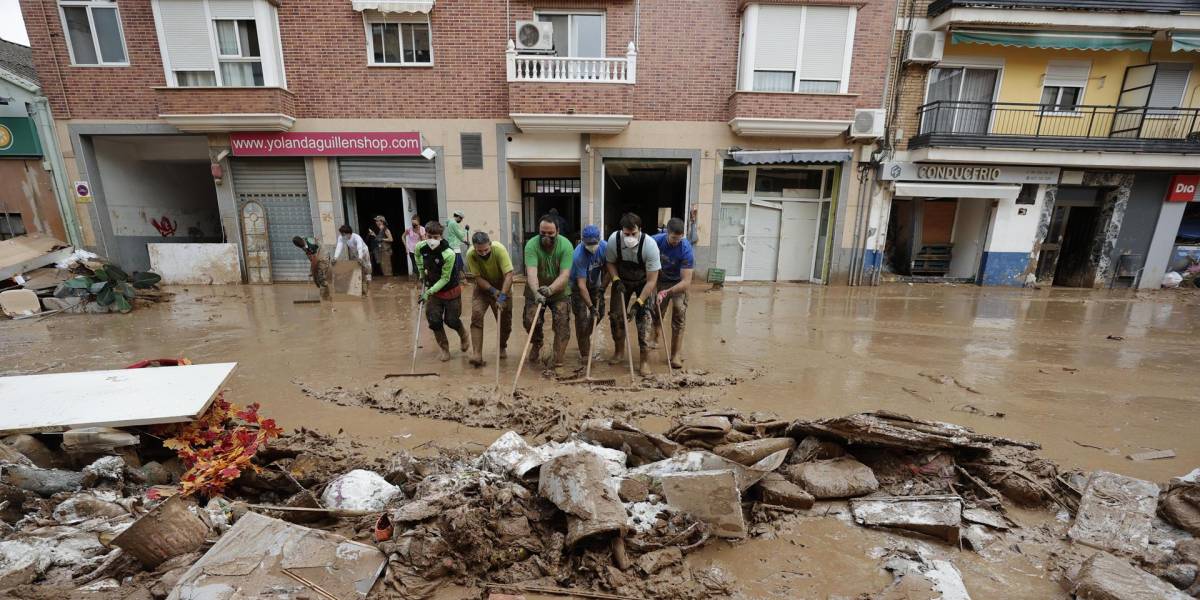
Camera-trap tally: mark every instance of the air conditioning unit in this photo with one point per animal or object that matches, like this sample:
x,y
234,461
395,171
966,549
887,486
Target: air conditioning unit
x,y
535,36
868,123
926,46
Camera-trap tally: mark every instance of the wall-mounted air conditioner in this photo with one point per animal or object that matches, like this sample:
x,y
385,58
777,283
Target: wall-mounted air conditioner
x,y
926,46
535,36
868,123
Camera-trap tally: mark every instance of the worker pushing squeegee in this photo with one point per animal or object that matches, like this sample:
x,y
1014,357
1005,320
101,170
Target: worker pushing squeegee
x,y
442,275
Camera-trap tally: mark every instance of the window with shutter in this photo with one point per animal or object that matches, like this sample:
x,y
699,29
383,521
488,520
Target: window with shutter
x,y
1064,84
801,48
399,39
232,43
1170,82
472,150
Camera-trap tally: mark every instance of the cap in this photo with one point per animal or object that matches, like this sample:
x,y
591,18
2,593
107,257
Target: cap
x,y
591,234
380,218
459,213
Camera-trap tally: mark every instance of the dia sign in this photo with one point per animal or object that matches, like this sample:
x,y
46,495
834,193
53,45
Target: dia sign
x,y
1183,188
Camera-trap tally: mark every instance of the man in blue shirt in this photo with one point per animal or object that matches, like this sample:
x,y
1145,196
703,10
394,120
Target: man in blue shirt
x,y
589,278
678,262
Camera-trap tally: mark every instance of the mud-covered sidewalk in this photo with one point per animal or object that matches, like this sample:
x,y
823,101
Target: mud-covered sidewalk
x,y
1091,376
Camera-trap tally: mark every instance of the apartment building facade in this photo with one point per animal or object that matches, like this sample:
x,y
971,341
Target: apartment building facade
x,y
250,121
1040,142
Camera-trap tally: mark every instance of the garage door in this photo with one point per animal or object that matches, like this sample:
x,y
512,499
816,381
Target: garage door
x,y
281,187
387,171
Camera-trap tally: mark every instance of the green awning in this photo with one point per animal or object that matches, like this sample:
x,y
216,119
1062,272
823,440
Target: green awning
x,y
1059,40
1185,41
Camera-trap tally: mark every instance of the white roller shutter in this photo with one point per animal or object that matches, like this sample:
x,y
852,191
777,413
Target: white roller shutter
x,y
1067,73
1170,82
186,34
824,54
778,37
387,171
231,9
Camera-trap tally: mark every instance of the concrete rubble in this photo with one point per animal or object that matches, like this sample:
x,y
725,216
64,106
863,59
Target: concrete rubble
x,y
602,506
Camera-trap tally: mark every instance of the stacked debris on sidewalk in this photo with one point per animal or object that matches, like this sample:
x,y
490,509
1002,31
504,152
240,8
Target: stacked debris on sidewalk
x,y
40,276
226,505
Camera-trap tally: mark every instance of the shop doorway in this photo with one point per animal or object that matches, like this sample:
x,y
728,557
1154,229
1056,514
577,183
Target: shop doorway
x,y
937,238
655,190
540,195
1065,258
397,205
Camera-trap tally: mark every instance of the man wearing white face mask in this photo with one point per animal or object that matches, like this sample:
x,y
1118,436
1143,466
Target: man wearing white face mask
x,y
633,264
350,246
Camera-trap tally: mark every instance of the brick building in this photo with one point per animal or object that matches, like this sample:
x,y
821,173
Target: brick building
x,y
249,121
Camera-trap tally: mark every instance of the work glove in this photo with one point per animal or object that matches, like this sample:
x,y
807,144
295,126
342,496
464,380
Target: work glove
x,y
424,297
545,291
501,300
494,292
539,297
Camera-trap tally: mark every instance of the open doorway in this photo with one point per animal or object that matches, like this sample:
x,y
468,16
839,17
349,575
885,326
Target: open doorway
x,y
397,205
1065,258
655,190
540,195
937,239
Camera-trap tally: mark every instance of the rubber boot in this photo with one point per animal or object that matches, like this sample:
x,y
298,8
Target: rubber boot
x,y
560,351
463,338
535,354
476,359
677,349
503,351
443,343
585,346
642,368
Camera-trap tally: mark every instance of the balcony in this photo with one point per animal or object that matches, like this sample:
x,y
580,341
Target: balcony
x,y
1068,14
788,114
1015,125
556,94
222,109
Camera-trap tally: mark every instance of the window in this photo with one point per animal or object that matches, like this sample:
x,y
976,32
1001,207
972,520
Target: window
x,y
238,53
735,181
1170,81
1063,85
787,183
964,96
577,34
195,78
93,32
803,49
399,41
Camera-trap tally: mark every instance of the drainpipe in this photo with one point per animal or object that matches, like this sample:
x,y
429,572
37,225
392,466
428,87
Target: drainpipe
x,y
63,192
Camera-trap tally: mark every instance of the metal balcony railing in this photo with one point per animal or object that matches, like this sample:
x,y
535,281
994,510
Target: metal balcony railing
x,y
938,7
563,69
1078,127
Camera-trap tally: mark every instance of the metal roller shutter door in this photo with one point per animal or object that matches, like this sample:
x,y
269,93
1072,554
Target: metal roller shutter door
x,y
281,186
387,171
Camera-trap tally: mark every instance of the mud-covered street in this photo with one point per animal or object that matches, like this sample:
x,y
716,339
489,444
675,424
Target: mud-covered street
x,y
1092,376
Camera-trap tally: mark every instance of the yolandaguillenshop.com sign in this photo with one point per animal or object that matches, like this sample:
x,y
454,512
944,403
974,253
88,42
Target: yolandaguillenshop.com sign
x,y
956,173
18,137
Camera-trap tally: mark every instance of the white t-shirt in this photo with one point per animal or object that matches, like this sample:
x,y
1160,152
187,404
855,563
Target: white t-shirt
x,y
356,246
649,251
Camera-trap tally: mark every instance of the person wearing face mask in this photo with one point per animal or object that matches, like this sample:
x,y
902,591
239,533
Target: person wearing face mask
x,y
633,264
318,261
548,259
350,246
443,290
678,262
589,278
414,235
493,269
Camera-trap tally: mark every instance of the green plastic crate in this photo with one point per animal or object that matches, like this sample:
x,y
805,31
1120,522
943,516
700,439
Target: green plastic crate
x,y
716,276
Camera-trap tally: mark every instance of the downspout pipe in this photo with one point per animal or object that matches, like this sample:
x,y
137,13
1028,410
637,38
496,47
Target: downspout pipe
x,y
63,191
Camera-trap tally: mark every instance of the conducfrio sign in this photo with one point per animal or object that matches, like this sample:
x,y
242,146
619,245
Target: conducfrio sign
x,y
326,143
906,171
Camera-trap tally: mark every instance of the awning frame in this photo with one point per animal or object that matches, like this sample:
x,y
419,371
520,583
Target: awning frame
x,y
1055,40
393,6
1185,41
785,157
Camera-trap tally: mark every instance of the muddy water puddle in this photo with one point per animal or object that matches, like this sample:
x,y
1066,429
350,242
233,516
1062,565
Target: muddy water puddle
x,y
1048,360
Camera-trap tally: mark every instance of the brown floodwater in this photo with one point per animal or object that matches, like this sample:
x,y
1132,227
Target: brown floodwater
x,y
1047,359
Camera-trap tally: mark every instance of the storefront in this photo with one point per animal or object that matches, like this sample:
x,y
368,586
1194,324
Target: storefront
x,y
1175,249
27,200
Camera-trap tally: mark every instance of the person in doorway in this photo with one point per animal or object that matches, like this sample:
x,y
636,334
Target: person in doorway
x,y
589,278
560,221
350,246
442,297
493,269
319,265
457,234
548,259
383,237
633,264
415,234
678,262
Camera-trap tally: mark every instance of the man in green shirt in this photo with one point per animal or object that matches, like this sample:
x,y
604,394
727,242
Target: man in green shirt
x,y
442,297
493,270
548,259
456,235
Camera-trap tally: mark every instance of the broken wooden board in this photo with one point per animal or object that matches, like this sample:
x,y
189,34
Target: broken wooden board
x,y
255,557
893,430
1152,455
120,398
939,516
347,280
28,252
984,516
710,496
1115,513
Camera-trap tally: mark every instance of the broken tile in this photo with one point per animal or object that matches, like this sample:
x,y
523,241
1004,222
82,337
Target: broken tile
x,y
1115,513
711,496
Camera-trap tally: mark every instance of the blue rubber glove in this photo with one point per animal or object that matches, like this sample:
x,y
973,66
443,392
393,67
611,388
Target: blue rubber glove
x,y
501,299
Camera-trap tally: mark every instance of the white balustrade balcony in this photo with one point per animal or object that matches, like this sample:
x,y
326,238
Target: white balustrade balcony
x,y
563,69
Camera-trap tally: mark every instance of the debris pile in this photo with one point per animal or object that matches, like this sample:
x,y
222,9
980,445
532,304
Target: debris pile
x,y
594,506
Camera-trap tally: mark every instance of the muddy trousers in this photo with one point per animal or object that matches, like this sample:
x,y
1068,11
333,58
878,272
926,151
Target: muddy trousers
x,y
676,305
385,259
585,322
322,275
641,316
481,301
446,313
560,312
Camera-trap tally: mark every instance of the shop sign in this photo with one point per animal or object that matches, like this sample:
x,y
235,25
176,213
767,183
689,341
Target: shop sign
x,y
18,137
1183,188
326,143
956,173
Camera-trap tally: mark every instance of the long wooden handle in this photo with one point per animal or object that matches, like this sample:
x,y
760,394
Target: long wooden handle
x,y
498,342
416,334
663,333
628,348
528,342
